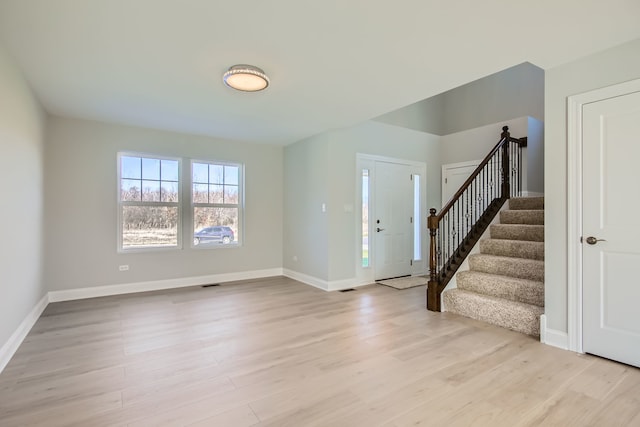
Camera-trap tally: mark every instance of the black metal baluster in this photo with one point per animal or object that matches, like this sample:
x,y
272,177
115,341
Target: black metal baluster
x,y
520,166
485,196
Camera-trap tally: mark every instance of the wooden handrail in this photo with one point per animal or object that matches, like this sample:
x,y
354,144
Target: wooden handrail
x,y
438,279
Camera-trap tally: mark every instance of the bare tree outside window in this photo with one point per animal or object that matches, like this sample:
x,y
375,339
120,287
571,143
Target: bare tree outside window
x,y
216,200
148,202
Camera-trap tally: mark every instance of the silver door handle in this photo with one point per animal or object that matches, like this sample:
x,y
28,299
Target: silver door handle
x,y
379,229
592,240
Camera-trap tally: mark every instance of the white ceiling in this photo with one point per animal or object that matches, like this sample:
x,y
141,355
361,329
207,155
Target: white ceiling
x,y
332,63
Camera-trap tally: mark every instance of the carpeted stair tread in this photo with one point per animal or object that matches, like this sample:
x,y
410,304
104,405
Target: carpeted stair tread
x,y
532,233
517,316
504,285
518,203
511,288
513,248
528,216
507,266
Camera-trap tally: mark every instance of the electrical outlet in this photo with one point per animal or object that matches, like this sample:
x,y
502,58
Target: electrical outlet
x,y
295,258
124,267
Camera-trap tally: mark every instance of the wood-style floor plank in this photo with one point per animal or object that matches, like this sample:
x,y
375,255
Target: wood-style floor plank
x,y
275,352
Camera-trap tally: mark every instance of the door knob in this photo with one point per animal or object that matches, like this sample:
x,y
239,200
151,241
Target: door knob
x,y
592,240
379,229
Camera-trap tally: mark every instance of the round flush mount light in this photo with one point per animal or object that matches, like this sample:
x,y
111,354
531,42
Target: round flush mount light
x,y
246,78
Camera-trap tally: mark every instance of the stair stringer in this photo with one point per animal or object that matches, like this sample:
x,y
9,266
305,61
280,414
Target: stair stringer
x,y
453,284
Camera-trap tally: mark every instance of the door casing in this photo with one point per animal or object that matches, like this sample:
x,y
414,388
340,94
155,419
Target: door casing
x,y
451,167
574,203
368,161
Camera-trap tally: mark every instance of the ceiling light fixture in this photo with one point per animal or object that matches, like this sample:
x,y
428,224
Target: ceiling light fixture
x,y
246,78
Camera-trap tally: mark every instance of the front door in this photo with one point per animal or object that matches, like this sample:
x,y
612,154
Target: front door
x,y
611,230
392,226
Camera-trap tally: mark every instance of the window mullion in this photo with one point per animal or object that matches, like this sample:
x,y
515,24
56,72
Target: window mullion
x,y
216,205
145,224
150,204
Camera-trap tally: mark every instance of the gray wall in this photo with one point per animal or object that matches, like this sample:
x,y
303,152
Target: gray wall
x,y
424,116
603,69
475,144
515,92
375,139
22,124
322,169
81,206
535,156
306,227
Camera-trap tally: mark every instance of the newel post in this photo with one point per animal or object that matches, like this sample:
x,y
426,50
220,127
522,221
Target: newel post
x,y
433,297
506,187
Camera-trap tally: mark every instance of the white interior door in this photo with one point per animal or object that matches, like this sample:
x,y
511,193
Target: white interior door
x,y
453,176
611,281
392,226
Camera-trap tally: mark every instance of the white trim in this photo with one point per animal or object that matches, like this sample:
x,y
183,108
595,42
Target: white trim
x,y
447,166
13,343
386,159
574,205
329,286
461,164
306,279
120,204
368,161
190,228
363,273
156,285
338,285
553,337
574,224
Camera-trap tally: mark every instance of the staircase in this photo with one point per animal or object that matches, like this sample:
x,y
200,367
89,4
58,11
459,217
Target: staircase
x,y
505,283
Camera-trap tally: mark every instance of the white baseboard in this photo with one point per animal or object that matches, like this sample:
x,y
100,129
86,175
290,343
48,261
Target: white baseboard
x,y
553,337
335,285
338,285
548,336
306,279
11,346
157,285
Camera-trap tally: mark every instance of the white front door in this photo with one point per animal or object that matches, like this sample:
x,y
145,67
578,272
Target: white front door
x,y
392,225
611,233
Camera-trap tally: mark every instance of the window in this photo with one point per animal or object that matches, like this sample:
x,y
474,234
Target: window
x,y
417,224
148,202
216,197
365,217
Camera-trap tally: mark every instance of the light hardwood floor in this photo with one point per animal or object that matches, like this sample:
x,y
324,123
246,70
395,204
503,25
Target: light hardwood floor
x,y
274,352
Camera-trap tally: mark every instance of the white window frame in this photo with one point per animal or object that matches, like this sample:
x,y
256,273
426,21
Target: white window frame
x,y
121,204
239,235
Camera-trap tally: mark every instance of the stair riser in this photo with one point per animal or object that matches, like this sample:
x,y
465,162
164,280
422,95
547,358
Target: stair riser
x,y
515,267
506,314
522,217
524,203
527,292
530,233
513,248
